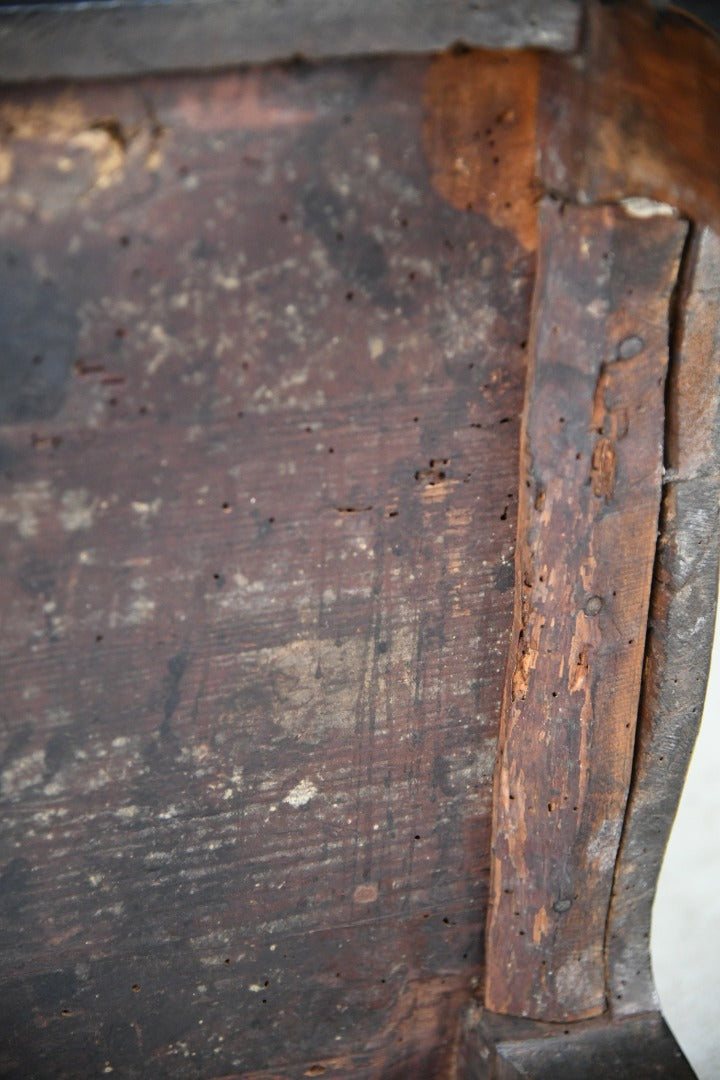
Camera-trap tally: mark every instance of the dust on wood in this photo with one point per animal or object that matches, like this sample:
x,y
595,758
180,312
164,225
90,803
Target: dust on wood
x,y
247,762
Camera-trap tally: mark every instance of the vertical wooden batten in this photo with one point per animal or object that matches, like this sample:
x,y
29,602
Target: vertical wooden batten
x,y
591,475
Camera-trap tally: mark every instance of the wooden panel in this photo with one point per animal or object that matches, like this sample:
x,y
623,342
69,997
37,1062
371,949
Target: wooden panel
x,y
641,1047
261,401
264,359
590,491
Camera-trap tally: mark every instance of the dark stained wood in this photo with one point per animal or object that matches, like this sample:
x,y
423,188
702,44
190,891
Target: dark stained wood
x,y
635,112
592,462
640,1047
680,630
264,357
96,39
257,523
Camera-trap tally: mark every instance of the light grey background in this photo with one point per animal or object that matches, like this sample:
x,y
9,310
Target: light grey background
x,y
685,942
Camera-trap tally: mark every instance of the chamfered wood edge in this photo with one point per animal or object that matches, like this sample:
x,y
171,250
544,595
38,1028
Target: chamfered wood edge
x,y
101,40
492,1047
677,654
680,627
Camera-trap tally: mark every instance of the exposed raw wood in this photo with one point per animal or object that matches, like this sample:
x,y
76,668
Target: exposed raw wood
x,y
480,136
589,499
681,624
635,113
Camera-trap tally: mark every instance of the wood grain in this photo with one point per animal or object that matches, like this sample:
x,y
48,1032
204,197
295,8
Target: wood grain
x,y
264,359
257,518
480,135
590,491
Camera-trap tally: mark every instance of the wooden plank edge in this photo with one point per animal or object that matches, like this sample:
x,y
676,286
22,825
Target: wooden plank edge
x,y
103,40
680,634
609,124
492,1047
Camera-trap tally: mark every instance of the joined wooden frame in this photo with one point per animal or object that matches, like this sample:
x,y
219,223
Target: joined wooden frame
x,y
617,193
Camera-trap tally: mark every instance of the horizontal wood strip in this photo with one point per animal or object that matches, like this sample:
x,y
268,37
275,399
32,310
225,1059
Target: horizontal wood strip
x,y
99,40
635,113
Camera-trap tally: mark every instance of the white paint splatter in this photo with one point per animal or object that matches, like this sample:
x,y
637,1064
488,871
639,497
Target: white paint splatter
x,y
24,506
638,207
229,282
77,510
141,610
144,510
376,347
163,344
598,308
23,773
301,794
